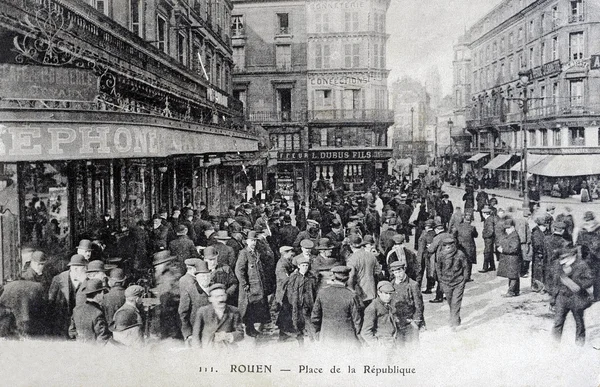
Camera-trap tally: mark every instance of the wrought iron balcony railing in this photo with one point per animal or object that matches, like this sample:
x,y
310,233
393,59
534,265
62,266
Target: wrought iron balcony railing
x,y
383,115
281,116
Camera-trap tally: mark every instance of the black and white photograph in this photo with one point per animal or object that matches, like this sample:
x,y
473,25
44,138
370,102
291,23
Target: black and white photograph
x,y
299,193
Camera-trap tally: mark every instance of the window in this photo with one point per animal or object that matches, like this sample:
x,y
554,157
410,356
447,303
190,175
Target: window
x,y
576,92
322,56
136,10
352,55
376,55
495,50
502,71
543,101
532,138
322,22
576,11
555,48
544,137
511,38
531,29
351,21
182,48
239,58
283,56
161,34
531,57
323,98
520,35
555,94
554,17
100,5
576,45
511,67
288,142
542,22
324,131
577,136
542,53
237,25
382,55
284,25
556,137
196,52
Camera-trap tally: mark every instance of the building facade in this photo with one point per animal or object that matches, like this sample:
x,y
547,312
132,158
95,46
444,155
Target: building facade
x,y
317,71
541,54
113,107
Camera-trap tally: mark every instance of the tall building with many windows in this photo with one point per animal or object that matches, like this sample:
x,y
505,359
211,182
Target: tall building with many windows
x,y
543,54
313,73
118,107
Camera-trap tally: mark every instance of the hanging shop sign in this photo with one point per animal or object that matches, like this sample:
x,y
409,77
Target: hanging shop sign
x,y
332,155
595,62
579,63
47,83
66,141
550,68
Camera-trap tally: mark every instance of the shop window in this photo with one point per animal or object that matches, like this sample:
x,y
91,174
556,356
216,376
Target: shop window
x,y
46,212
133,188
577,136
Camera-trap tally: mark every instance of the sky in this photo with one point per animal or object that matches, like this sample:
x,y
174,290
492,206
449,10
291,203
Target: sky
x,y
422,33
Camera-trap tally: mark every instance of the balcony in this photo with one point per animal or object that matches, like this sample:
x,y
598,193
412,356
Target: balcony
x,y
576,18
267,117
351,115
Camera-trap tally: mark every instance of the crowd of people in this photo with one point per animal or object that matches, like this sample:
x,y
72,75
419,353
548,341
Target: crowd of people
x,y
342,271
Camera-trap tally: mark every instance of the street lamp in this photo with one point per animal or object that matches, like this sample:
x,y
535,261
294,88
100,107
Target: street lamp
x,y
412,144
450,126
524,80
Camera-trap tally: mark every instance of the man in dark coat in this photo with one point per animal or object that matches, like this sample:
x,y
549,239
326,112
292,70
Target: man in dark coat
x,y
159,235
555,245
407,302
482,201
288,232
589,240
538,253
380,326
400,252
217,325
191,295
35,271
434,250
183,247
88,324
336,236
115,298
227,255
336,314
301,216
221,274
465,234
445,210
8,323
452,271
27,301
364,270
404,212
164,317
574,280
63,293
251,271
300,292
423,256
511,258
489,239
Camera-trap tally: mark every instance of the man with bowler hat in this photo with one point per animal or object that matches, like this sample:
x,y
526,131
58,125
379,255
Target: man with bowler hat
x,y
63,292
226,254
364,269
127,325
35,272
511,258
336,314
115,298
191,294
88,324
183,247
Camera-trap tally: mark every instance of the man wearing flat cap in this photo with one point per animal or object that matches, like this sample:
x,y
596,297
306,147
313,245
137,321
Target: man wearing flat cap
x,y
227,255
285,267
434,250
300,292
217,325
251,271
555,245
221,274
407,302
538,253
364,271
324,261
380,325
336,236
336,314
88,324
511,258
400,252
312,232
183,247
423,256
306,250
192,296
127,324
115,298
452,272
589,240
489,239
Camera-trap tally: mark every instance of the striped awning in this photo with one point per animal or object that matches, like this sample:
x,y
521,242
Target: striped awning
x,y
477,157
497,162
532,159
567,165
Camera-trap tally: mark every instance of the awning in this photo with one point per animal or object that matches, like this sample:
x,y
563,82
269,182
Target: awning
x,y
532,160
567,165
497,162
477,157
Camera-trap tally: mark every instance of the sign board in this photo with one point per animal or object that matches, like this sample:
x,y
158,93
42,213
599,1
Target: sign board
x,y
332,155
342,5
93,141
47,82
550,68
595,62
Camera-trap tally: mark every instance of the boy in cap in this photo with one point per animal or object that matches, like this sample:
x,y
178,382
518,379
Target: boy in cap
x,y
400,252
380,326
407,302
336,314
127,323
452,272
217,325
300,292
88,323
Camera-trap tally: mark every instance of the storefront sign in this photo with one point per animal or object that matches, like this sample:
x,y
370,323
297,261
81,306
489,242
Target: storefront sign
x,y
356,79
339,5
64,142
346,155
553,67
47,82
595,62
585,64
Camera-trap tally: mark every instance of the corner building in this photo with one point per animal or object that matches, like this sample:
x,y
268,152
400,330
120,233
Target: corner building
x,y
556,43
113,107
333,130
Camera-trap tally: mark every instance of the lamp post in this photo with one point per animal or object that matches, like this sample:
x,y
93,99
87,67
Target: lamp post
x,y
450,126
412,143
524,80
